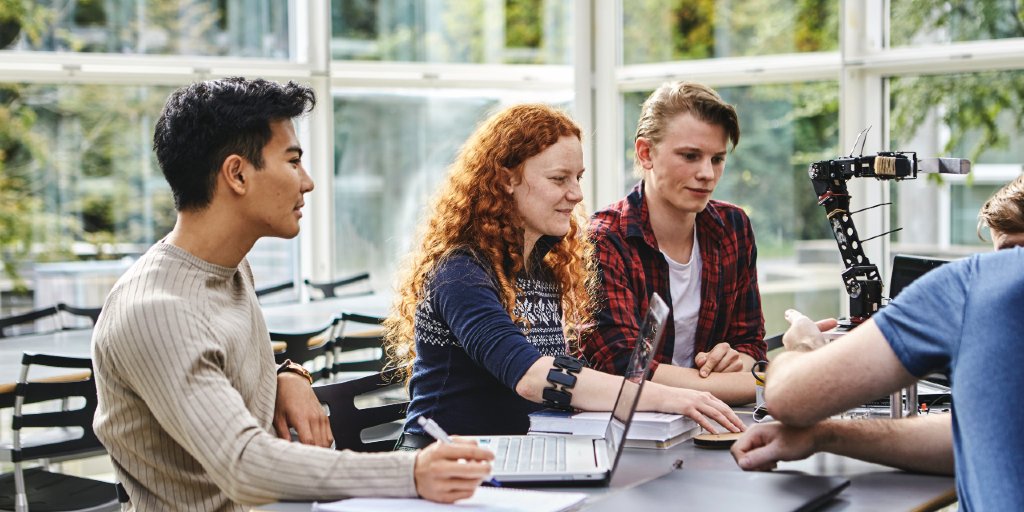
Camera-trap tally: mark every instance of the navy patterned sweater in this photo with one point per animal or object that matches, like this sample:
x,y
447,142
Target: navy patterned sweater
x,y
469,352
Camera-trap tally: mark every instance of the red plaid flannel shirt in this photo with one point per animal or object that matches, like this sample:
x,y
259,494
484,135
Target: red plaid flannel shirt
x,y
632,267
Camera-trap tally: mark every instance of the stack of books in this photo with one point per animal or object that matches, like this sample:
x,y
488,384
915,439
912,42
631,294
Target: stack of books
x,y
648,430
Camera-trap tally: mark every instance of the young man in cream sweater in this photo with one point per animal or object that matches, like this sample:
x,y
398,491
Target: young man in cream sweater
x,y
189,394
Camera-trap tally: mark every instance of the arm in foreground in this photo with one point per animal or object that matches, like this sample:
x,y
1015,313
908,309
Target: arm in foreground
x,y
922,444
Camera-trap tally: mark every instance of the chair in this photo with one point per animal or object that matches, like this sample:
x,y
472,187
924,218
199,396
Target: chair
x,y
93,314
305,347
373,428
328,290
272,289
362,340
31,316
69,435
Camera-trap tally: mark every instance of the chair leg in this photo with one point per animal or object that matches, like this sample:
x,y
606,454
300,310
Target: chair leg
x,y
20,497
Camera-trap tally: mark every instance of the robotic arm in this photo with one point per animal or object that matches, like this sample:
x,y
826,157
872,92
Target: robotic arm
x,y
829,177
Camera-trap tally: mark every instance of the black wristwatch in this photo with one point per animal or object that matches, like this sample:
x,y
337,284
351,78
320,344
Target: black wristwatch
x,y
562,377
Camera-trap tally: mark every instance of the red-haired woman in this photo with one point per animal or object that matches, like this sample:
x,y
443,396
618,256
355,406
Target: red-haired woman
x,y
502,260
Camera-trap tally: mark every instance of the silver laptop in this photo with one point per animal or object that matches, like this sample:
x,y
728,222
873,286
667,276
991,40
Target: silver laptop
x,y
556,458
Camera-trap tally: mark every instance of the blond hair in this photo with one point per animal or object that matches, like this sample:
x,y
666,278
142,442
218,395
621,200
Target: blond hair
x,y
675,98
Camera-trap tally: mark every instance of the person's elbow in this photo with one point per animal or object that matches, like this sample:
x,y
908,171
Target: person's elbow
x,y
529,389
531,385
245,494
789,407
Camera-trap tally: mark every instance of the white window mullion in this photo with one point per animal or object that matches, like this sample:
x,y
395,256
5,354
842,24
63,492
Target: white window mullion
x,y
317,241
608,124
584,108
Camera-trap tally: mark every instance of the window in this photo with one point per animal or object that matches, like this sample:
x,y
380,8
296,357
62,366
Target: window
x,y
965,115
659,31
239,28
923,22
453,31
81,185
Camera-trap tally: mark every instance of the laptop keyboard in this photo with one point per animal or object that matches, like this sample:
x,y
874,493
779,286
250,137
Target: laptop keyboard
x,y
530,454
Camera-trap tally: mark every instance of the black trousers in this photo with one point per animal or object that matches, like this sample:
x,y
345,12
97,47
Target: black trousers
x,y
412,442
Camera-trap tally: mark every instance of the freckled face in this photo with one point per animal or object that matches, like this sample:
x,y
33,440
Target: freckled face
x,y
682,170
550,189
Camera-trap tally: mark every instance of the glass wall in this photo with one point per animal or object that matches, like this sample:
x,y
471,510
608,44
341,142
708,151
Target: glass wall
x,y
966,115
661,31
80,193
924,22
453,31
236,28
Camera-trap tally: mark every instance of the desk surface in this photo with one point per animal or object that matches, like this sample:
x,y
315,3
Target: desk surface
x,y
310,316
872,487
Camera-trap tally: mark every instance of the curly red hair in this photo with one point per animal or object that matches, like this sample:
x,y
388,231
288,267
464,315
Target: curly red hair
x,y
474,210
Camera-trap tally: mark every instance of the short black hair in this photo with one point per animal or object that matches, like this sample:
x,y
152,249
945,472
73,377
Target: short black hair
x,y
205,122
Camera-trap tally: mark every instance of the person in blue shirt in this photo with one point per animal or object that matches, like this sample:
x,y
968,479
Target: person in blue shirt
x,y
502,283
965,316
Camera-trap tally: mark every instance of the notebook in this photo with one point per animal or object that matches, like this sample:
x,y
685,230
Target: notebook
x,y
579,459
701,489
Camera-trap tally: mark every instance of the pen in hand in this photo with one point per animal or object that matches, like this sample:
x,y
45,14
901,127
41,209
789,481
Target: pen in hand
x,y
435,431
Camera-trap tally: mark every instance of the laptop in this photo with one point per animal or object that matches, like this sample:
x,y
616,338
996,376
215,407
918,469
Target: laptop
x,y
702,489
583,459
906,269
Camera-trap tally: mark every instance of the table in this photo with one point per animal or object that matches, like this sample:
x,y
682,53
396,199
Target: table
x,y
310,316
872,487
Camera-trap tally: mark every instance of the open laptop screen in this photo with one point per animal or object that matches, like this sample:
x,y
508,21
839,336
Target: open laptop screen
x,y
907,269
648,343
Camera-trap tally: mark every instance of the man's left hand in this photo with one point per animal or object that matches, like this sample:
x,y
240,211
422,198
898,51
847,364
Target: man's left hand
x,y
297,407
721,358
765,444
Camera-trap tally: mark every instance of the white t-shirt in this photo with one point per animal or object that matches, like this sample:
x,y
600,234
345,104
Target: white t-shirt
x,y
684,283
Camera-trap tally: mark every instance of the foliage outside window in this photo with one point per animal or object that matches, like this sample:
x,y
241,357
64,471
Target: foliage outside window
x,y
920,22
969,115
78,172
238,28
453,31
660,31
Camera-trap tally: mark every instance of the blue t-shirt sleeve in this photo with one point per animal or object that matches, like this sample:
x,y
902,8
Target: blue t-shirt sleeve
x,y
465,296
924,324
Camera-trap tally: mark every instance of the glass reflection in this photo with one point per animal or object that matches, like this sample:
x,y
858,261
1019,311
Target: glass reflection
x,y
662,31
236,28
456,31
